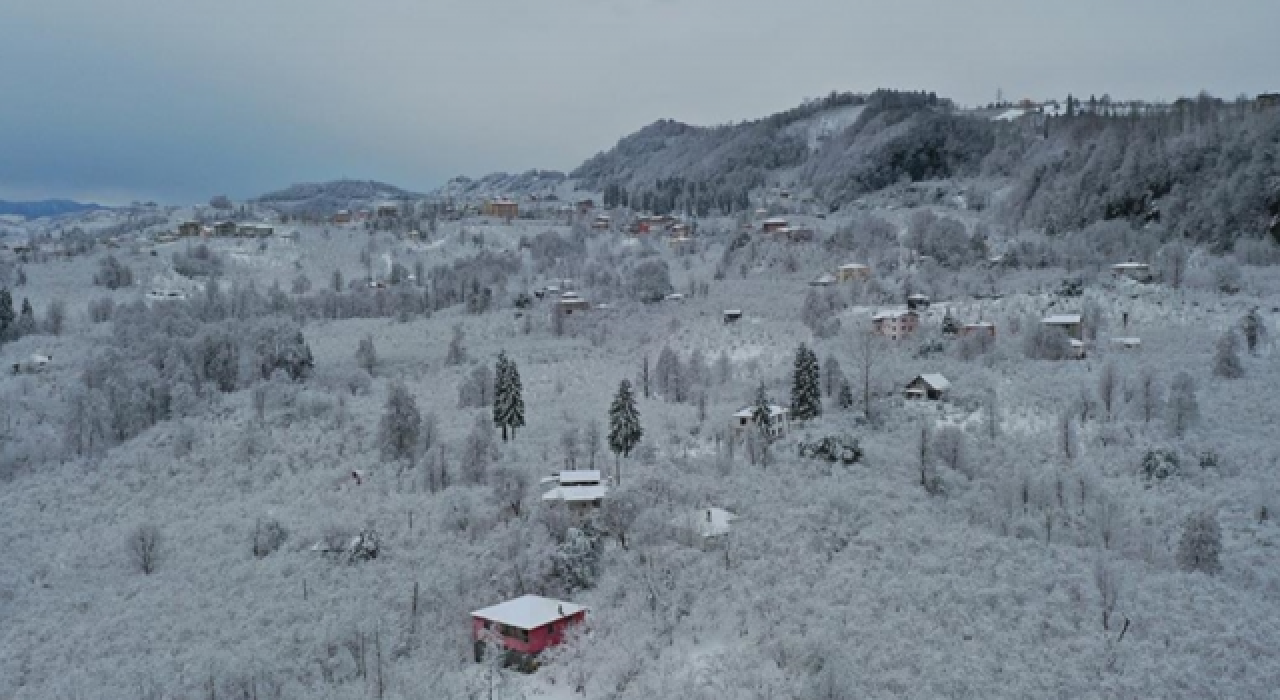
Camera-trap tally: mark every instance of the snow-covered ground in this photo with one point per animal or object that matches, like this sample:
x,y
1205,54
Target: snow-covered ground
x,y
836,581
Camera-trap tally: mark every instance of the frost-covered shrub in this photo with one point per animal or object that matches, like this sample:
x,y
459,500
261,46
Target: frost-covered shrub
x,y
101,310
113,274
143,545
833,448
268,536
650,281
576,562
1201,544
199,261
1160,464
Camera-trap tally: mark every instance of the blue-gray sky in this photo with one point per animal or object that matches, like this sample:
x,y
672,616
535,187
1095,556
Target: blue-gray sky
x,y
178,100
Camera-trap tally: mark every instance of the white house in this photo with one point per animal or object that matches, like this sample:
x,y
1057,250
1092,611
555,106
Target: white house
x,y
1071,324
1129,343
581,489
1136,271
779,420
852,271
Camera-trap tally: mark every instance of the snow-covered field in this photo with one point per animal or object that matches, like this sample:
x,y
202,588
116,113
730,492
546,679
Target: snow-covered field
x,y
836,581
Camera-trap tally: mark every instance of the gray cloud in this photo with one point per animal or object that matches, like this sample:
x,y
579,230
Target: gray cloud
x,y
179,100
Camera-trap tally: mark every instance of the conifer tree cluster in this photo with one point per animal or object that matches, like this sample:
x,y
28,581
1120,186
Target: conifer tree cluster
x,y
806,385
508,397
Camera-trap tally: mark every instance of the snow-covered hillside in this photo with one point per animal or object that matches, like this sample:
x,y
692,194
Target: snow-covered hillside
x,y
1086,528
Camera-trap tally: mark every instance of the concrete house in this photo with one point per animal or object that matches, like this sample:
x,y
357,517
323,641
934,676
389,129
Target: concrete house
x,y
779,421
933,387
895,325
525,626
917,302
851,272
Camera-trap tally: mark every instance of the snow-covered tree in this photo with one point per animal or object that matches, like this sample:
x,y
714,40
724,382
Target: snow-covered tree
x,y
508,397
1182,410
1200,547
806,385
399,429
1251,327
832,376
6,312
1226,357
845,397
366,354
625,430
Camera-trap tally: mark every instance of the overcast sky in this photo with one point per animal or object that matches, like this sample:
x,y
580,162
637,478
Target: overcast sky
x,y
178,100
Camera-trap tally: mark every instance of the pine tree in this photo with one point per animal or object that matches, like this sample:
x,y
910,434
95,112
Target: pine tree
x,y
515,404
508,397
501,393
6,311
806,385
762,412
26,323
625,430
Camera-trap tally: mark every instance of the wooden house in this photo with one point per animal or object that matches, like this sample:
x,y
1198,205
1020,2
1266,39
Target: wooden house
x,y
525,626
773,224
933,387
502,208
986,328
570,302
602,222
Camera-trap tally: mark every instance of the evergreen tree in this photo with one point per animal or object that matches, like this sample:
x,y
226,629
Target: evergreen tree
x,y
501,393
845,399
1201,544
26,323
625,430
949,324
508,397
515,403
1250,325
762,412
806,385
6,311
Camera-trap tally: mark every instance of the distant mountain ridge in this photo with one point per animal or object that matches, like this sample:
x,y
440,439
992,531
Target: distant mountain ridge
x,y
329,197
46,208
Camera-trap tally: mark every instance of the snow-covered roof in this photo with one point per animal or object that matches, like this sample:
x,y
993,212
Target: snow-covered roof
x,y
937,381
853,266
1075,343
37,358
707,522
824,279
580,476
733,312
776,220
980,324
774,410
1062,319
1130,266
528,612
917,297
1127,341
576,494
1009,115
879,315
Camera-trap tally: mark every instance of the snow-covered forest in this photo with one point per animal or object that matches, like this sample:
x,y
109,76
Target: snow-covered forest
x,y
292,466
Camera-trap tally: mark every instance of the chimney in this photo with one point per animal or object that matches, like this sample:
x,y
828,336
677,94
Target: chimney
x,y
560,610
708,515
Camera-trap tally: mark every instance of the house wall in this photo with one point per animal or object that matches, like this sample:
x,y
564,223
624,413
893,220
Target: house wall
x,y
539,639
